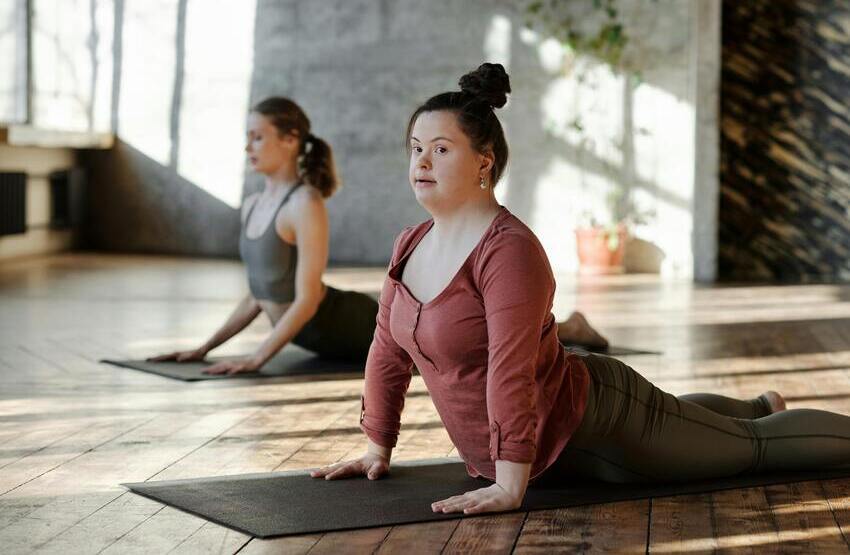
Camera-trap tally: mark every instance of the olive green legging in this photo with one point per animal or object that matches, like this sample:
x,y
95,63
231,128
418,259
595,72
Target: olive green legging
x,y
634,432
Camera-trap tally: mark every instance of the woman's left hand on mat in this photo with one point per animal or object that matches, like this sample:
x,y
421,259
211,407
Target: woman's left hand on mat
x,y
485,500
235,366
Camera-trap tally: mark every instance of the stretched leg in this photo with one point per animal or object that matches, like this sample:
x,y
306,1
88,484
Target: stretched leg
x,y
633,431
576,330
765,404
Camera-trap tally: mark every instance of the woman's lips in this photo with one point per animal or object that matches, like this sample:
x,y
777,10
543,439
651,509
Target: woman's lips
x,y
424,183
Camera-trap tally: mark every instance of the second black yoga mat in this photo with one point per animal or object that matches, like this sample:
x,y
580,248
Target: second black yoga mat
x,y
291,361
285,503
612,350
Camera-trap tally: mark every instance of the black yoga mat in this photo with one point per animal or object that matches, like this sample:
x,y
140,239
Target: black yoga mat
x,y
611,350
291,361
285,503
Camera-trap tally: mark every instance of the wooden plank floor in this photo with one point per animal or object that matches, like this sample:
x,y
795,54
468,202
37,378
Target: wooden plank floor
x,y
71,429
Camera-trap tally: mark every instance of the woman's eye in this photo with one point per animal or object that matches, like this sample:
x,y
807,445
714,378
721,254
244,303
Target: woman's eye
x,y
417,149
441,149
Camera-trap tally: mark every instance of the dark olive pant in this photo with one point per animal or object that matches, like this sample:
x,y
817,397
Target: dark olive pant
x,y
342,327
634,432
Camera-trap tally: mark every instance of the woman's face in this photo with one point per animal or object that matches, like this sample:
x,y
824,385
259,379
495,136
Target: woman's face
x,y
267,149
445,170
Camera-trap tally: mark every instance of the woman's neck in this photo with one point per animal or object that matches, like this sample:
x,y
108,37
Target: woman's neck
x,y
469,217
282,179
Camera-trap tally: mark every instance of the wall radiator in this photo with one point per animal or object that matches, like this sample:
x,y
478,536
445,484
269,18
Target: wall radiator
x,y
67,193
13,203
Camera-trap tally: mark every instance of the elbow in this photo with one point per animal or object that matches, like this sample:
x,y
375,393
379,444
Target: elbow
x,y
308,303
252,305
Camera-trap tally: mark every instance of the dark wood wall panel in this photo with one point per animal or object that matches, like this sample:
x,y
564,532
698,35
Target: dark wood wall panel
x,y
785,141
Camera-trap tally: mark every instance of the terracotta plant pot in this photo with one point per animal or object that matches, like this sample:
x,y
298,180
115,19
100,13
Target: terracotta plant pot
x,y
595,255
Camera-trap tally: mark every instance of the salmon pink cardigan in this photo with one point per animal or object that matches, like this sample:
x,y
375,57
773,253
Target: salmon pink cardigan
x,y
487,348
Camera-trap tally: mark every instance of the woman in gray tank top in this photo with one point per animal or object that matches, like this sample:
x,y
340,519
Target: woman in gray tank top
x,y
284,244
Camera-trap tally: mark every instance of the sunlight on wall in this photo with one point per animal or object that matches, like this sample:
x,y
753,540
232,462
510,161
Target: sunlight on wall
x,y
497,42
586,122
596,106
665,162
553,218
219,53
72,64
147,77
497,49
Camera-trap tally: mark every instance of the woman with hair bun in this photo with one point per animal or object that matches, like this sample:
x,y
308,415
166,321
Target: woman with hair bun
x,y
284,244
468,300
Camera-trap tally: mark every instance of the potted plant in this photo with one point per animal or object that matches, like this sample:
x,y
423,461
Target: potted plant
x,y
601,243
601,249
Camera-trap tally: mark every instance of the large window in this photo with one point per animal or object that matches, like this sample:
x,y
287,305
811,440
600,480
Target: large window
x,y
72,64
13,61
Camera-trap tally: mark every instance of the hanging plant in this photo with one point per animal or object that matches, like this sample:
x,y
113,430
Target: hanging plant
x,y
605,40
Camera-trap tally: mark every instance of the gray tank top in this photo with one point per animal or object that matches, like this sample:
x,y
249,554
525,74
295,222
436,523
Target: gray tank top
x,y
270,260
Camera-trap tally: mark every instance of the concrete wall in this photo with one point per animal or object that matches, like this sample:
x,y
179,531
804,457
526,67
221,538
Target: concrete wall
x,y
183,79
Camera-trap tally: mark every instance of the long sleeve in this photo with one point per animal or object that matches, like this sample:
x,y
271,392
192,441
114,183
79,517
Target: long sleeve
x,y
388,374
517,287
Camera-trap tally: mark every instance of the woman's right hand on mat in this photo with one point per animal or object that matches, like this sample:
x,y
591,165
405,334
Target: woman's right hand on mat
x,y
181,356
371,465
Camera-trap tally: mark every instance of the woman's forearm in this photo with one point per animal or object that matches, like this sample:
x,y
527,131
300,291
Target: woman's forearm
x,y
244,313
513,477
293,320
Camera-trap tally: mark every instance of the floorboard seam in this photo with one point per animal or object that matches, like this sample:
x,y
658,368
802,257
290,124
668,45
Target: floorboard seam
x,y
77,457
241,547
519,532
832,512
41,358
380,543
344,414
122,536
54,536
201,446
42,448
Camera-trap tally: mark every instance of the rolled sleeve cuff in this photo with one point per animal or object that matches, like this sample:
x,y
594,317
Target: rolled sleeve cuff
x,y
383,433
511,451
381,438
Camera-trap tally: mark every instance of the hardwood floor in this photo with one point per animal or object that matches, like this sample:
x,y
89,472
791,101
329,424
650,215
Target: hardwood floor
x,y
72,430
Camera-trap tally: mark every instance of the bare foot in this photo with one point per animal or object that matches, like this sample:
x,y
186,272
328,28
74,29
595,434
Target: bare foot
x,y
775,400
577,330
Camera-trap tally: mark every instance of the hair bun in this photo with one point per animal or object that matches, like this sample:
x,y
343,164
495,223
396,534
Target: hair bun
x,y
489,82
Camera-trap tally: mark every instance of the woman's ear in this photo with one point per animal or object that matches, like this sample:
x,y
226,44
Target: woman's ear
x,y
488,159
290,140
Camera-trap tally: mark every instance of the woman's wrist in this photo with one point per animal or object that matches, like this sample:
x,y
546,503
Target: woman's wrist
x,y
379,450
209,345
258,360
513,478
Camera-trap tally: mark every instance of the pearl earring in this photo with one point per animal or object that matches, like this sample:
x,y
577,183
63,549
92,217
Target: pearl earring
x,y
483,185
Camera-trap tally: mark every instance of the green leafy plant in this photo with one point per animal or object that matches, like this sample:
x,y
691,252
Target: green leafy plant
x,y
595,28
605,41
